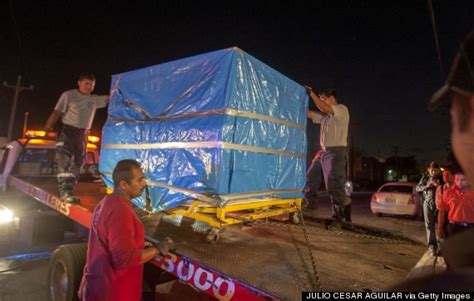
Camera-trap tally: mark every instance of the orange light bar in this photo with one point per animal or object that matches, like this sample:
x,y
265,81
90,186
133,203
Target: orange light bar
x,y
33,133
93,139
40,134
91,146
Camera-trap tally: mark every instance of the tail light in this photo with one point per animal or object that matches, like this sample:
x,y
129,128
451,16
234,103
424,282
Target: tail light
x,y
373,198
93,139
412,200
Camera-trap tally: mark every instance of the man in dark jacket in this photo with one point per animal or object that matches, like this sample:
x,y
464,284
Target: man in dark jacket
x,y
427,186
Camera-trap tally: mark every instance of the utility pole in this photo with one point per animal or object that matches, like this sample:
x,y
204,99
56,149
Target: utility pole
x,y
18,88
25,124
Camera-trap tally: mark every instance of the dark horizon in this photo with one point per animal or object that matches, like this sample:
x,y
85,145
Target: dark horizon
x,y
381,58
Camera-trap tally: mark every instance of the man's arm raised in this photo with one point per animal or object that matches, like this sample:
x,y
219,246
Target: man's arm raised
x,y
321,105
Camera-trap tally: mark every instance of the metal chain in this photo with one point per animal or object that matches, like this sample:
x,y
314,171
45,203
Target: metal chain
x,y
373,237
351,232
316,281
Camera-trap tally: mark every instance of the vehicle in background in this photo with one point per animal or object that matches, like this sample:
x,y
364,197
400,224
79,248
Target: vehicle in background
x,y
397,198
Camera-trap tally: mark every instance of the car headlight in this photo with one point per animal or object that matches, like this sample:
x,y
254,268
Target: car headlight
x,y
6,215
348,188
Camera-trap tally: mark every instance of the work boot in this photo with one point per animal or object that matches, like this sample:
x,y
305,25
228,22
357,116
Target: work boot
x,y
67,198
72,200
333,224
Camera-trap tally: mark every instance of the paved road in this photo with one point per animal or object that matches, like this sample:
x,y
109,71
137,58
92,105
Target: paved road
x,y
361,214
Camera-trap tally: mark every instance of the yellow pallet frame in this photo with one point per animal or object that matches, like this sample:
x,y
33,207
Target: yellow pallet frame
x,y
234,213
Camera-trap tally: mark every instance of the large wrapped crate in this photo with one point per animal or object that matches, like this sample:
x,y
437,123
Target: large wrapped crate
x,y
219,127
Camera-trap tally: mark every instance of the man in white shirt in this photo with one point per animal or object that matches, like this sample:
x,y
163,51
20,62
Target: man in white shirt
x,y
332,158
76,108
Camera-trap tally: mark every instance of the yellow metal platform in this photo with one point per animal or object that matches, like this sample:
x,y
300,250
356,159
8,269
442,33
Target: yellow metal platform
x,y
242,211
237,212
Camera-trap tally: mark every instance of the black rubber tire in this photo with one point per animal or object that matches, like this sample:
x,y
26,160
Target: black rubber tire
x,y
65,272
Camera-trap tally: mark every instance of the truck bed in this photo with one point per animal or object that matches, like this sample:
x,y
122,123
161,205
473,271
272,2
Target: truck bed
x,y
272,257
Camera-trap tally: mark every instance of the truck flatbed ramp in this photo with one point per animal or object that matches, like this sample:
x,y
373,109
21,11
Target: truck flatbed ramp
x,y
267,260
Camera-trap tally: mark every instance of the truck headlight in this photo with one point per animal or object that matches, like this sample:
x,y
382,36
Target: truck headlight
x,y
6,215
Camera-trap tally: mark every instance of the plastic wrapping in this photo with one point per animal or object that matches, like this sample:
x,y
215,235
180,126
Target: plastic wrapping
x,y
216,125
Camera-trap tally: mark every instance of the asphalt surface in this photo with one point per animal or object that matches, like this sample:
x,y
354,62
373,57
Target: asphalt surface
x,y
361,214
24,277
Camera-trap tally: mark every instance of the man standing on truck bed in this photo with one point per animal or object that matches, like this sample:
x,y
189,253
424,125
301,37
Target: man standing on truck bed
x,y
77,109
116,248
331,159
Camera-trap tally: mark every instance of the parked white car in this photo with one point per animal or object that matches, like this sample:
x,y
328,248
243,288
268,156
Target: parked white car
x,y
397,198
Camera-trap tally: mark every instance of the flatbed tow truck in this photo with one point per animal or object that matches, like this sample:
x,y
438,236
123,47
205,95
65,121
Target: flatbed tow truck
x,y
269,259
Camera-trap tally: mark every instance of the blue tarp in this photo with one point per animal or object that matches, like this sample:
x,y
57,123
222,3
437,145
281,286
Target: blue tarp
x,y
218,124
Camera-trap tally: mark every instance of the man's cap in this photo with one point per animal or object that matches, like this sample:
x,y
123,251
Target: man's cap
x,y
461,76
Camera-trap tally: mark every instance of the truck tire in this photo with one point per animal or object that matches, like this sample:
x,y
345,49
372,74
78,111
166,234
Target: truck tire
x,y
65,272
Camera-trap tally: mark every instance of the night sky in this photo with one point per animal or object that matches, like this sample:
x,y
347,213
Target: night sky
x,y
380,56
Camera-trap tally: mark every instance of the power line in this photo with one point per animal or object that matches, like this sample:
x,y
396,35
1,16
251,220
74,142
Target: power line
x,y
435,32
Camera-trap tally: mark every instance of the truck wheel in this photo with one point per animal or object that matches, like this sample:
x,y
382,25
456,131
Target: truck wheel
x,y
65,272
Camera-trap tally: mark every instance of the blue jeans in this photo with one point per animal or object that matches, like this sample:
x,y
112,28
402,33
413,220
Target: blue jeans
x,y
331,163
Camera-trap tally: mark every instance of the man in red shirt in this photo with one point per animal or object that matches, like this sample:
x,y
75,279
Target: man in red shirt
x,y
459,205
448,179
116,253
